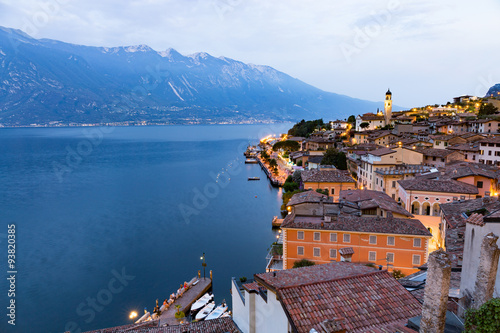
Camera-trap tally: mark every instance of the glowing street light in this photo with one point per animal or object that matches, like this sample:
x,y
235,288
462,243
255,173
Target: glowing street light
x,y
204,264
133,315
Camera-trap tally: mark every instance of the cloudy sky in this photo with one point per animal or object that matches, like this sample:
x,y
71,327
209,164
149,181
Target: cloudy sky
x,y
426,51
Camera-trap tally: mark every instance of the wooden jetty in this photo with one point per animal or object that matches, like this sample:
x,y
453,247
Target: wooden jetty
x,y
274,182
277,222
185,301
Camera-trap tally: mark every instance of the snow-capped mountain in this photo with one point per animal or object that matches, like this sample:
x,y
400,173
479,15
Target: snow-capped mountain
x,y
43,81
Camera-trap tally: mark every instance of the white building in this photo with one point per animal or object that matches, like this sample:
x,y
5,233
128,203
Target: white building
x,y
489,151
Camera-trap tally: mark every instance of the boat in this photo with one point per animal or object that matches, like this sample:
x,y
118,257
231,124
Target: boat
x,y
205,311
217,312
226,314
201,302
253,178
251,161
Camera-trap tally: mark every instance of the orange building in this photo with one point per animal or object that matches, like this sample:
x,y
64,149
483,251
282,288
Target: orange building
x,y
394,243
333,181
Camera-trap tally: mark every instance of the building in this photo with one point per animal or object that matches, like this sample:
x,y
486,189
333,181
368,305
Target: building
x,y
454,216
318,143
384,158
388,107
470,150
335,297
397,243
374,203
485,126
331,181
374,121
386,179
382,138
440,157
422,197
489,152
443,141
477,227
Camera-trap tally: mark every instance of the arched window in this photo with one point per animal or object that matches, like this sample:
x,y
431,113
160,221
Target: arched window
x,y
415,208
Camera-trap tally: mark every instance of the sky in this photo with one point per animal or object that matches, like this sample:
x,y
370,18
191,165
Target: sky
x,y
425,51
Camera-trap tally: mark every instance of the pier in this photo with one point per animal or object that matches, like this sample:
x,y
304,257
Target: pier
x,y
167,317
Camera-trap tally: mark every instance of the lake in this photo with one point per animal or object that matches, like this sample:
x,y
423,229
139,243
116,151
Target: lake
x,y
110,219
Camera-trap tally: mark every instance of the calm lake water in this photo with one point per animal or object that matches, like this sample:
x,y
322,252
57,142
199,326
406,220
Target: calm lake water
x,y
109,220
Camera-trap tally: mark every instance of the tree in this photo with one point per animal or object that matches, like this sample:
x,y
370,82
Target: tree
x,y
299,163
304,128
286,198
487,109
334,157
264,155
303,263
364,125
351,119
325,191
179,314
297,176
485,319
287,145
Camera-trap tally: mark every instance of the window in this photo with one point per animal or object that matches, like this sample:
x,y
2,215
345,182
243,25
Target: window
x,y
300,235
316,252
317,236
390,240
434,158
479,184
300,250
416,259
372,256
390,257
417,242
333,253
489,153
347,238
373,239
333,191
333,237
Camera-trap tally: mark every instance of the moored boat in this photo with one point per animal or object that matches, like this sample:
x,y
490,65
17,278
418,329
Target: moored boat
x,y
253,178
205,311
217,312
201,302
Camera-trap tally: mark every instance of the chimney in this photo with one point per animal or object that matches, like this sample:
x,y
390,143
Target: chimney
x,y
436,293
487,270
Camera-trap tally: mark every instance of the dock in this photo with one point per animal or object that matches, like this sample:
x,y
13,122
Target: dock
x,y
277,222
185,301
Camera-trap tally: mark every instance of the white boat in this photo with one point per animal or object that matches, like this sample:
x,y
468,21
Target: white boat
x,y
226,314
201,302
217,312
205,311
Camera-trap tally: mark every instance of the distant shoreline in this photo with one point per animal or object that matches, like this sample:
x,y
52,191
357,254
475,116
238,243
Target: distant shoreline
x,y
143,125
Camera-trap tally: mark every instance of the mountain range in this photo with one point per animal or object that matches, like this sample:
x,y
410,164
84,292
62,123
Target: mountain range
x,y
48,82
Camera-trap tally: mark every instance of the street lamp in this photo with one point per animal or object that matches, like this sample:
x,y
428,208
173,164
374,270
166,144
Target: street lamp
x,y
204,264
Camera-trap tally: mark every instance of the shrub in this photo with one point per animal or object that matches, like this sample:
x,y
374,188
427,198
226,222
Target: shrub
x,y
485,319
303,263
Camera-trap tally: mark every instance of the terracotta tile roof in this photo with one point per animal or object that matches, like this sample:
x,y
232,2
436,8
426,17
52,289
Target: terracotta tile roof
x,y
476,219
453,211
438,185
346,251
375,224
495,139
326,176
312,274
369,199
465,147
366,301
380,134
220,325
382,152
127,328
435,152
252,286
372,116
464,169
315,159
308,196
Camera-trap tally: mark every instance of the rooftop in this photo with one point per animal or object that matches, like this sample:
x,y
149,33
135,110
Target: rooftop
x,y
364,224
366,301
382,152
312,274
403,170
308,196
371,199
435,152
326,176
220,325
438,185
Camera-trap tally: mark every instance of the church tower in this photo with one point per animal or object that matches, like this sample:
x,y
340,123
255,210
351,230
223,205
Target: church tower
x,y
388,107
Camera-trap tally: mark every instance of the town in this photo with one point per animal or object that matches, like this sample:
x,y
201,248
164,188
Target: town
x,y
389,224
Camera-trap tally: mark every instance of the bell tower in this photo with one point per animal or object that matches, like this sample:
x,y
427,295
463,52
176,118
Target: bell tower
x,y
388,107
